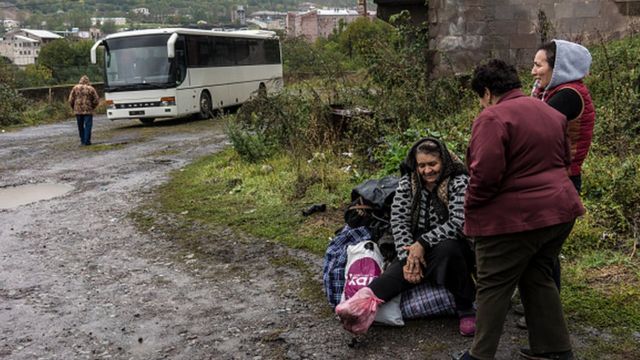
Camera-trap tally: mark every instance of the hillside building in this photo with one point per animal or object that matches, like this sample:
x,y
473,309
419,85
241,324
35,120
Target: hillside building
x,y
238,15
317,23
118,21
268,20
23,46
10,24
141,11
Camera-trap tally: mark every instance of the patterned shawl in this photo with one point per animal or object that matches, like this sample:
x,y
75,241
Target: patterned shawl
x,y
451,167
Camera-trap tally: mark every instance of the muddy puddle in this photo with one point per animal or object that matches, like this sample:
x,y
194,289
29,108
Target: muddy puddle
x,y
14,196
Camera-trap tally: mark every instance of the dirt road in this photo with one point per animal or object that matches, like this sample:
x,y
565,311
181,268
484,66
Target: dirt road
x,y
79,279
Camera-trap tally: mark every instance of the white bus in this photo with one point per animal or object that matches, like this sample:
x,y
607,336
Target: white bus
x,y
166,73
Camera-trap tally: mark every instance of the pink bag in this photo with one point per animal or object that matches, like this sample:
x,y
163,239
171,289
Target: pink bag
x,y
357,313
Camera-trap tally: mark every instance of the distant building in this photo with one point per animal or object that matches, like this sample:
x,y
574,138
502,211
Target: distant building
x,y
141,11
23,46
118,21
306,6
76,34
238,15
10,24
269,20
317,23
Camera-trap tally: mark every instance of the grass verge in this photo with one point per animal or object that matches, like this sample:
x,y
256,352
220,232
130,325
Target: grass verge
x,y
601,288
601,295
257,198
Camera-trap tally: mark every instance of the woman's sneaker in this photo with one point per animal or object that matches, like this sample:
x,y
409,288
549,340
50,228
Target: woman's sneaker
x,y
468,325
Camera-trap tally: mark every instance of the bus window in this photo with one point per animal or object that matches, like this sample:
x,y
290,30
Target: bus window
x,y
179,64
241,52
223,54
193,51
272,51
204,51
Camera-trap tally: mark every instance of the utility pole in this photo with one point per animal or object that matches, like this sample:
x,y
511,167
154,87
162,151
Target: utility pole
x,y
362,8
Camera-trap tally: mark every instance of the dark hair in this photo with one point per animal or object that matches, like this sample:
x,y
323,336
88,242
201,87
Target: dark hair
x,y
550,50
429,147
497,76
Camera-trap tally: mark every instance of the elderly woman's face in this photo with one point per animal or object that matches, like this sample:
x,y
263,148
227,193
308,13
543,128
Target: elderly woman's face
x,y
541,70
429,167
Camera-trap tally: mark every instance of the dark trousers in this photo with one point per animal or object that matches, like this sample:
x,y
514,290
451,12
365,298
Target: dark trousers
x,y
525,259
85,123
449,264
577,183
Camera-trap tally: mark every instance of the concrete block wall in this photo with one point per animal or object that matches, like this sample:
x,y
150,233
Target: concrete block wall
x,y
463,33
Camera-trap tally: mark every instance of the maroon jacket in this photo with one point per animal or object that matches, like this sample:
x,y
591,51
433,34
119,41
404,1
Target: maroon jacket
x,y
518,158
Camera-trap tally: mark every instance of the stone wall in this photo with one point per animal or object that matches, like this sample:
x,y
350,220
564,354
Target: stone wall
x,y
465,32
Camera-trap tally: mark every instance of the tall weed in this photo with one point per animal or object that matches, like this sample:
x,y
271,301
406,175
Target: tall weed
x,y
614,83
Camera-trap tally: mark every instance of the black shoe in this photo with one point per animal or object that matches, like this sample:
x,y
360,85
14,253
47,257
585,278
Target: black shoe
x,y
564,355
462,355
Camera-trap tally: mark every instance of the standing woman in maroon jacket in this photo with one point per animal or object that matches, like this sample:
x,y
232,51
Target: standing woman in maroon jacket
x,y
520,206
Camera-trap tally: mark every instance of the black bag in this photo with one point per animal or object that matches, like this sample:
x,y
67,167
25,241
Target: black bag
x,y
371,205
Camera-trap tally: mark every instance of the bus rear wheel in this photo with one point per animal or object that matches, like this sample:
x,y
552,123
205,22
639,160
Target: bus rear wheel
x,y
262,91
147,121
205,106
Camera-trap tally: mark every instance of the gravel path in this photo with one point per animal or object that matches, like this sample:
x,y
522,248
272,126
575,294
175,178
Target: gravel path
x,y
79,279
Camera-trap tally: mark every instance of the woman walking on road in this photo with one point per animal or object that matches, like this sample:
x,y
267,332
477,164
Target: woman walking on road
x,y
83,100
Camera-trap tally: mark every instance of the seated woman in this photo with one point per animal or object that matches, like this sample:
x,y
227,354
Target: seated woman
x,y
427,217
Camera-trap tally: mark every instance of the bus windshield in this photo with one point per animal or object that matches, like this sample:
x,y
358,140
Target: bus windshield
x,y
138,63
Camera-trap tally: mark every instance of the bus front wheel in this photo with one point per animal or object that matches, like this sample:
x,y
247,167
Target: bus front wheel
x,y
205,105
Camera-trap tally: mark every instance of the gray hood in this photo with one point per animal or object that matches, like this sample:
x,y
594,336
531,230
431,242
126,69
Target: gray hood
x,y
572,63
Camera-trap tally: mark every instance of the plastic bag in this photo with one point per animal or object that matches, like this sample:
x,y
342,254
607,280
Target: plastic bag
x,y
357,313
390,313
364,263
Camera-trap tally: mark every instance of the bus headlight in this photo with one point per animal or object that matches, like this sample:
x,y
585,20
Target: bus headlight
x,y
168,101
110,104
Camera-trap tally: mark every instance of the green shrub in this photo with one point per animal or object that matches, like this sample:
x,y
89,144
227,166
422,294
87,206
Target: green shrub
x,y
587,235
278,121
251,146
44,112
611,191
11,105
614,83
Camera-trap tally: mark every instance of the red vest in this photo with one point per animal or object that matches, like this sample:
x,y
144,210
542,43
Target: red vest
x,y
580,129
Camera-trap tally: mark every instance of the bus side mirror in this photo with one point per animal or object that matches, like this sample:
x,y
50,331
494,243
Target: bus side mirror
x,y
171,46
93,51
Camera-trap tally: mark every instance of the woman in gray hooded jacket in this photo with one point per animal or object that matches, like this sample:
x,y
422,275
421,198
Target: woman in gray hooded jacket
x,y
558,68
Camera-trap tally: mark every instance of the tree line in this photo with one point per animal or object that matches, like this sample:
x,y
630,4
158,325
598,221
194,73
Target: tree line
x,y
60,15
